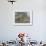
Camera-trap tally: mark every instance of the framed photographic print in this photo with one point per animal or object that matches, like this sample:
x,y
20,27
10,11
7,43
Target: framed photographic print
x,y
23,18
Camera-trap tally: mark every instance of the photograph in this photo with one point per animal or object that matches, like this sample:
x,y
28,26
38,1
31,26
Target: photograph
x,y
22,22
23,18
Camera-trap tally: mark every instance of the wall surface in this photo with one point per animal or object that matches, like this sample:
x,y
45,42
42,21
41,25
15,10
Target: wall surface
x,y
8,31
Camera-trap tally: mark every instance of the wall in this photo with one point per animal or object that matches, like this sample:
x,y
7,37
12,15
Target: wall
x,y
9,31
